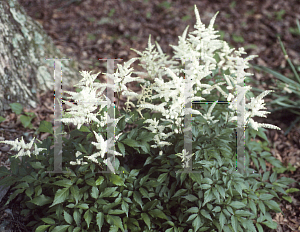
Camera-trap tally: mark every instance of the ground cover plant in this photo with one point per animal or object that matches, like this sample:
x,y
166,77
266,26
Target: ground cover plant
x,y
145,193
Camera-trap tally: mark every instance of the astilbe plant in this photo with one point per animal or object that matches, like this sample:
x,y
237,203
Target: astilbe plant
x,y
146,193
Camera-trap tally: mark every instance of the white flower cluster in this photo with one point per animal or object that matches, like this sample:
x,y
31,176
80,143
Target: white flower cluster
x,y
199,50
21,146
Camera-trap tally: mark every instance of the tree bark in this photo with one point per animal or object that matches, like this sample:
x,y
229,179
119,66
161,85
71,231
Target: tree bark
x,y
24,48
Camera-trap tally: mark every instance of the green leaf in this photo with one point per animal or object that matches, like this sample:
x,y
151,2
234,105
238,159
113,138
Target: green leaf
x,y
192,210
88,217
162,177
84,129
108,191
272,224
222,220
68,218
77,217
234,223
273,177
137,198
262,207
131,142
64,183
264,197
192,216
237,204
273,205
287,198
25,120
144,192
95,192
125,207
242,213
208,196
117,180
2,119
205,214
190,197
180,192
100,220
16,108
75,193
60,196
292,190
48,221
253,206
41,200
42,228
62,228
100,180
221,190
259,227
121,147
46,126
146,219
82,206
158,213
115,220
196,223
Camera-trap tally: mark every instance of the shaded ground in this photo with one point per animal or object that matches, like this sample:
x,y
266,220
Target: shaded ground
x,y
92,29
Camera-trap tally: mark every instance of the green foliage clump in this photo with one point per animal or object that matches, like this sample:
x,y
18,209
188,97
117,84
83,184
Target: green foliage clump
x,y
148,188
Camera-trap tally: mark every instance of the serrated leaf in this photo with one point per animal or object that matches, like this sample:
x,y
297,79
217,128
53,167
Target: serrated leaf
x,y
192,216
242,213
60,196
75,193
64,183
77,217
144,192
117,180
46,126
121,147
95,192
158,213
259,227
208,196
272,224
292,190
68,218
190,197
273,205
237,204
100,180
264,197
221,190
234,223
146,219
180,192
196,223
262,207
48,221
193,210
131,142
252,206
42,228
82,206
137,198
125,207
100,220
61,228
88,217
162,177
107,191
205,214
41,200
222,220
115,220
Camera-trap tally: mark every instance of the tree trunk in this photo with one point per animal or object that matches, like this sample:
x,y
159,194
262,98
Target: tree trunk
x,y
24,48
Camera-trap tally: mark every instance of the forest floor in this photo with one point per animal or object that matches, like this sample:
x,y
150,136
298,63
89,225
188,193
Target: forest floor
x,y
92,29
